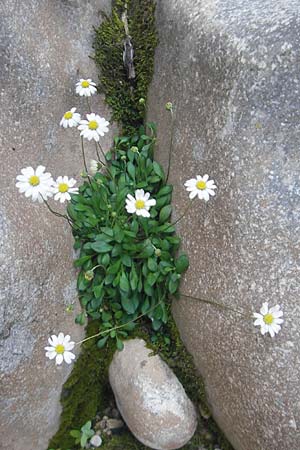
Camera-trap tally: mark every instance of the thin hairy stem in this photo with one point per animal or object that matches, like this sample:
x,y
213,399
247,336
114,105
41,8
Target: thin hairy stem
x,y
102,151
83,156
118,326
98,155
171,144
57,214
216,304
184,213
89,105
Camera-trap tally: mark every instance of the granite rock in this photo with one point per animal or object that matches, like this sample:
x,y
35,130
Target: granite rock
x,y
150,398
232,70
44,49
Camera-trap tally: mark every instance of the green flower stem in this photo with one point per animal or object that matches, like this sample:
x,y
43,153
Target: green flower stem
x,y
105,165
119,326
184,213
101,149
171,144
218,305
57,214
98,155
83,157
89,105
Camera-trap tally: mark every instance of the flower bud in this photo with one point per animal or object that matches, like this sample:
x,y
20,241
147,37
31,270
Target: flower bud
x,y
93,166
134,149
114,214
169,106
123,157
142,101
89,275
157,252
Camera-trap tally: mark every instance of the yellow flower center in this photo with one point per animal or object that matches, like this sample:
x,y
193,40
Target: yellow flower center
x,y
93,125
68,115
60,349
34,180
201,185
268,319
63,187
85,84
139,204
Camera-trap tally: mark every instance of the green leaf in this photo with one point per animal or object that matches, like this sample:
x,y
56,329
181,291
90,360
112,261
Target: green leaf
x,y
151,278
119,234
173,286
105,259
106,316
128,305
165,213
101,247
86,426
145,306
156,324
83,440
80,319
98,290
158,170
126,260
164,190
182,263
133,278
79,262
114,268
108,231
101,343
131,170
124,283
120,344
118,315
75,433
152,264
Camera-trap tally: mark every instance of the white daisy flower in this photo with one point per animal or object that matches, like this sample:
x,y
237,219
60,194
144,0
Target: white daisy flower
x,y
269,319
94,127
35,183
70,119
201,186
85,88
60,348
63,187
93,166
141,204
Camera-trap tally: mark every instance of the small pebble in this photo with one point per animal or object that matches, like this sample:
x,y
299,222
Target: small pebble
x,y
114,424
115,413
96,441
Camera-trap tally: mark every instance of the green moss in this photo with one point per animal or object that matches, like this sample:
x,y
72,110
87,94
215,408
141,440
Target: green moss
x,y
121,94
85,391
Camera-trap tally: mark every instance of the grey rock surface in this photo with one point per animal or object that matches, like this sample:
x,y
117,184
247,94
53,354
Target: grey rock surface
x,y
150,398
232,70
44,49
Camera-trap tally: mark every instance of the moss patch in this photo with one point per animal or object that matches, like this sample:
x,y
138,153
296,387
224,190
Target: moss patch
x,y
121,94
87,391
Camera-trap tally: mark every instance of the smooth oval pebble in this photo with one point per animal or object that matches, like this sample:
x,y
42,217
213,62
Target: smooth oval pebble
x,y
150,398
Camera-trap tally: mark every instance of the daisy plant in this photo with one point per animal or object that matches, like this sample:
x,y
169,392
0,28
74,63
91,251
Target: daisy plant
x,y
128,261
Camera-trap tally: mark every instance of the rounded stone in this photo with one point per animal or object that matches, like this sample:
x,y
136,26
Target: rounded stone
x,y
150,398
